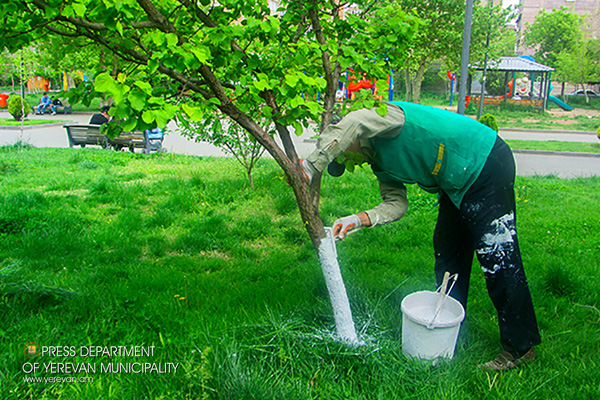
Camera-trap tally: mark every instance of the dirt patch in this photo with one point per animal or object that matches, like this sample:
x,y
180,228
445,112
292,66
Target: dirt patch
x,y
554,121
573,113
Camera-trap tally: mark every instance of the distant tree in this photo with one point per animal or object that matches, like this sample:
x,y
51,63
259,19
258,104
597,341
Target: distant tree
x,y
579,65
551,34
439,38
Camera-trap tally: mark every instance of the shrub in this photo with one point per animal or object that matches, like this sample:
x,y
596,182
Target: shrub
x,y
489,120
18,107
598,133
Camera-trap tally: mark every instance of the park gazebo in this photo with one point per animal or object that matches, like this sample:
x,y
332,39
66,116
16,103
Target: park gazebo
x,y
540,76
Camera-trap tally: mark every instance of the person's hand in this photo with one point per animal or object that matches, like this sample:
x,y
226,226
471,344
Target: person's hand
x,y
307,169
345,225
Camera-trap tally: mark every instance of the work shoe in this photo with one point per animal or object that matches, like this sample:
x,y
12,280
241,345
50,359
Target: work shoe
x,y
506,361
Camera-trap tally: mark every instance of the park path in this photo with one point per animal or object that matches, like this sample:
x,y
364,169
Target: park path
x,y
529,163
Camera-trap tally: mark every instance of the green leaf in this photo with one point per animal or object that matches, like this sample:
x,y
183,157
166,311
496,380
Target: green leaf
x,y
51,12
214,100
137,99
261,85
145,86
298,130
129,124
152,65
193,113
121,77
172,40
119,28
382,109
350,164
156,100
104,82
157,37
292,80
148,116
296,102
119,92
68,11
162,118
202,53
267,111
265,26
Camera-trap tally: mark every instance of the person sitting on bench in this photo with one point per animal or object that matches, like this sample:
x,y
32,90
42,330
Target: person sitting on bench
x,y
44,102
55,103
100,118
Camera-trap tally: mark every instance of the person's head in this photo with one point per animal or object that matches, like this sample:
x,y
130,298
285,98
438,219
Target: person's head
x,y
104,110
45,95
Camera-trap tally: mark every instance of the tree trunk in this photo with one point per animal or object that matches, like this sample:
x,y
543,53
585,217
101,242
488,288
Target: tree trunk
x,y
250,180
324,245
408,85
587,99
307,198
416,83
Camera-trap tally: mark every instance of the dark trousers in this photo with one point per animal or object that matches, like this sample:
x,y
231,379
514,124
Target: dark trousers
x,y
485,225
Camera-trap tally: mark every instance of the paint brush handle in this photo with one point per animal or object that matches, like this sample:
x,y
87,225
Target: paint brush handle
x,y
443,295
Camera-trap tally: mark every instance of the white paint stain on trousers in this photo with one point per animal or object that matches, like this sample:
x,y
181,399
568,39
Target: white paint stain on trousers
x,y
498,245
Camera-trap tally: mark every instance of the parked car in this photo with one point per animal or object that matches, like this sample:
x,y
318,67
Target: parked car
x,y
579,92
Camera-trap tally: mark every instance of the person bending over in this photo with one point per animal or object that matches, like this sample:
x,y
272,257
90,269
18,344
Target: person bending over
x,y
473,172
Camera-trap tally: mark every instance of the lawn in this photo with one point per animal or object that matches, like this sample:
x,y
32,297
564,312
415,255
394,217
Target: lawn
x,y
555,145
29,122
103,248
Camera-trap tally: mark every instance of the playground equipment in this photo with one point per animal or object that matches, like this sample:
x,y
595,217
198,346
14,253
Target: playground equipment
x,y
353,85
560,103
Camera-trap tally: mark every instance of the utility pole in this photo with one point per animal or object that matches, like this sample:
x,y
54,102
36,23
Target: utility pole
x,y
485,62
464,63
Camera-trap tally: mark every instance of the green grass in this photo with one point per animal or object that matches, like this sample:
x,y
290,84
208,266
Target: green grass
x,y
117,249
555,145
27,122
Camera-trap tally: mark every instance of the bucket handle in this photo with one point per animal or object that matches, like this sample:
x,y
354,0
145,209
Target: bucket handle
x,y
443,295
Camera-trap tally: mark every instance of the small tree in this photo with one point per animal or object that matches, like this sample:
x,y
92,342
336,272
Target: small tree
x,y
489,120
18,107
577,66
231,138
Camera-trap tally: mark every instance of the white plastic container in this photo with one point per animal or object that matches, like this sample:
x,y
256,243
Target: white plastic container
x,y
423,339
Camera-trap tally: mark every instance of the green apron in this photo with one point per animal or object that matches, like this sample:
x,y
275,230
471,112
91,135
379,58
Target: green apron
x,y
436,149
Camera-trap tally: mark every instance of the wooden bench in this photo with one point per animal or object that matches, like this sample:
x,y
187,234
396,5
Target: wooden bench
x,y
82,135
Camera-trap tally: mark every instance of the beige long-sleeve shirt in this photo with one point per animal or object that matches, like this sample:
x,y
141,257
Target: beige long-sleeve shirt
x,y
362,125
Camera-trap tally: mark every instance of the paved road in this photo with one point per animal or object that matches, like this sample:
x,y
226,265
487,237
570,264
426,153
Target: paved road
x,y
528,163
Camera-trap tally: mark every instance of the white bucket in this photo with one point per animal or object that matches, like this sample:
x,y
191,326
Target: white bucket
x,y
423,339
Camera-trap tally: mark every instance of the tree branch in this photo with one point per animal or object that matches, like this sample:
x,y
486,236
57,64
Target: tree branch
x,y
330,75
156,16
